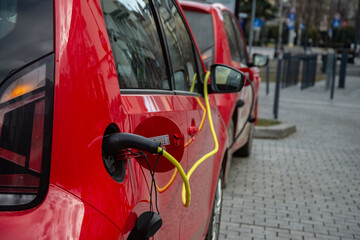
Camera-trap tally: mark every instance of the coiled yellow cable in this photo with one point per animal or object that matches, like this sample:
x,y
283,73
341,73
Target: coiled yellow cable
x,y
186,192
216,148
182,174
163,189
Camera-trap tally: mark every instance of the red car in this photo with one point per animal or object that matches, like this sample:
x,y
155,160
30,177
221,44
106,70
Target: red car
x,y
220,40
95,98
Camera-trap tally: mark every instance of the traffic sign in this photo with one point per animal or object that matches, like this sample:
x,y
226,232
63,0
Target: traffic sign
x,y
344,23
336,23
330,32
257,23
337,16
290,21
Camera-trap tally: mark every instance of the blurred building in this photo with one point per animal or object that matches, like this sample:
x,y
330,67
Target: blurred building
x,y
320,15
322,12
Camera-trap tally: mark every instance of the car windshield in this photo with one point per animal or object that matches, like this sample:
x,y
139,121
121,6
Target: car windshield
x,y
26,33
202,27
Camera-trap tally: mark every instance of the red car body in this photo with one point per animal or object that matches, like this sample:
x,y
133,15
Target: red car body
x,y
79,199
220,51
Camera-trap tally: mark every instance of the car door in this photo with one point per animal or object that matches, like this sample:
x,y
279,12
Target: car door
x,y
198,141
154,110
239,59
253,72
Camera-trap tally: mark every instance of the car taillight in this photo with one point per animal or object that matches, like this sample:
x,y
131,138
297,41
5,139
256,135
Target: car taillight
x,y
26,101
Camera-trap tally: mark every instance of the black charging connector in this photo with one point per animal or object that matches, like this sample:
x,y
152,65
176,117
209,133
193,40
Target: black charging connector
x,y
115,142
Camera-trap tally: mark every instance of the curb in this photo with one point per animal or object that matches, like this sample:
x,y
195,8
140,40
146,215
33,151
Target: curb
x,y
278,131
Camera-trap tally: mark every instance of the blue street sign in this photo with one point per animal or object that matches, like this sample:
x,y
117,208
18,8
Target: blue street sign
x,y
330,32
257,23
290,25
292,16
302,26
336,23
290,21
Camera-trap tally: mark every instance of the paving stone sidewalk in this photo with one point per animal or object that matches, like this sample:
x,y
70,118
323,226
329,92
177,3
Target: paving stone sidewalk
x,y
306,186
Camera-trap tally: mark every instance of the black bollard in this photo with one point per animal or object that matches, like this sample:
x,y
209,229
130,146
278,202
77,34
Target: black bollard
x,y
267,79
277,89
333,76
342,76
329,70
324,62
305,72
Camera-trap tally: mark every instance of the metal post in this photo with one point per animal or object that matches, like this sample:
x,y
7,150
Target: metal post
x,y
314,69
343,69
237,8
329,69
299,35
357,27
324,61
277,89
308,24
285,69
252,26
305,72
298,69
278,46
267,79
333,76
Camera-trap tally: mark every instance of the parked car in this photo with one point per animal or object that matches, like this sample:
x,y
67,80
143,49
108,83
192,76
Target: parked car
x,y
220,40
74,74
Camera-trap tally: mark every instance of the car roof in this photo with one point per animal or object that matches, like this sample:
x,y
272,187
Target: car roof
x,y
203,6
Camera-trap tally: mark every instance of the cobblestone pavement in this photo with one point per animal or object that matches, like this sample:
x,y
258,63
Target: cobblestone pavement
x,y
306,186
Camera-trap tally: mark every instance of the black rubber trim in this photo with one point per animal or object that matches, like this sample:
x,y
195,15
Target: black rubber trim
x,y
164,47
187,93
114,143
146,91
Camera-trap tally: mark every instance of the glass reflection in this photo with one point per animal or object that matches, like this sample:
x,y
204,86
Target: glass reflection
x,y
228,79
26,33
135,44
179,45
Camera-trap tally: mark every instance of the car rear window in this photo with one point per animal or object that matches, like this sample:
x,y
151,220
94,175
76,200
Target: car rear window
x,y
202,28
26,33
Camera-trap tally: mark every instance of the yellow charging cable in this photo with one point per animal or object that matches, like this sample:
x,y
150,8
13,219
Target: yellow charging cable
x,y
172,179
193,83
186,192
216,148
163,189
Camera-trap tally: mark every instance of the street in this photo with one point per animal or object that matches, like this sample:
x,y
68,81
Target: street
x,y
306,186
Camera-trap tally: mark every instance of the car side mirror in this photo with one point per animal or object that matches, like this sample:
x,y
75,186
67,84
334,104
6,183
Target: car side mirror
x,y
260,60
225,79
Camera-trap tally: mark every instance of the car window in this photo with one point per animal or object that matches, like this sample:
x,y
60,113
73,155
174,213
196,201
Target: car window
x,y
202,27
181,49
24,37
231,36
135,44
240,40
